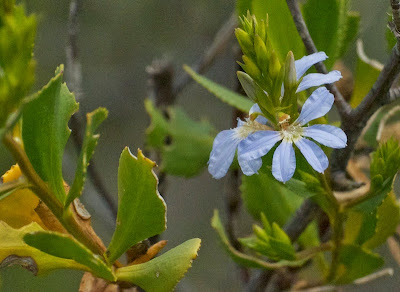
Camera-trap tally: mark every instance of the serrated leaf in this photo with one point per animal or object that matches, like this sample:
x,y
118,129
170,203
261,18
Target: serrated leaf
x,y
141,209
65,247
367,71
190,141
226,95
163,272
330,26
13,250
45,131
356,262
18,208
93,121
388,218
244,259
280,24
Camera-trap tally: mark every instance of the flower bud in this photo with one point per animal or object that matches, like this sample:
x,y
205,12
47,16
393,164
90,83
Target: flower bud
x,y
290,82
251,68
261,54
245,41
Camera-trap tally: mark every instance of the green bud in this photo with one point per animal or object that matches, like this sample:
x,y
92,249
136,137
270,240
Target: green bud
x,y
261,54
261,30
260,233
251,68
274,66
279,234
245,41
290,82
248,85
267,226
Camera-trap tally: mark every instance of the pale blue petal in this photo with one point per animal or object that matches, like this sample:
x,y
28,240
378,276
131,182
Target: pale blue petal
x,y
240,122
284,162
317,79
221,156
250,167
317,105
327,135
305,63
314,155
258,144
256,109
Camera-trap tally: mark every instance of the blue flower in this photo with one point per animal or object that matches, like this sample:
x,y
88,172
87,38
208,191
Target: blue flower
x,y
259,143
227,141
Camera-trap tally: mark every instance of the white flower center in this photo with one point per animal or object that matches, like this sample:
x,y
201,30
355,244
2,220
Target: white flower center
x,y
292,133
249,127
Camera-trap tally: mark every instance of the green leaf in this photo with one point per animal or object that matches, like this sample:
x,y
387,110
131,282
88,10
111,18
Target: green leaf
x,y
280,24
388,217
226,95
191,142
330,26
367,71
13,250
356,262
141,209
391,40
65,247
242,6
359,227
163,272
244,259
17,68
94,119
45,131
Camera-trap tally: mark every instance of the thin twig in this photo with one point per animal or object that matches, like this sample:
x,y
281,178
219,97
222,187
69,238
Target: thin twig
x,y
219,44
74,77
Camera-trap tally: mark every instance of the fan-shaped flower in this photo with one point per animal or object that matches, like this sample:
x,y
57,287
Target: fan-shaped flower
x,y
259,143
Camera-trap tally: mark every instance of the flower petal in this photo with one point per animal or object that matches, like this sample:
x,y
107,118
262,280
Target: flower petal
x,y
327,135
317,79
305,63
284,162
258,144
250,167
317,105
314,155
221,156
256,109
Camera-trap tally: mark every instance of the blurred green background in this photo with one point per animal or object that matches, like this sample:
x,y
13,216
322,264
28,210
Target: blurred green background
x,y
117,40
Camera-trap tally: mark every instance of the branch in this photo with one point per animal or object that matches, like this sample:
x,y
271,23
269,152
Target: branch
x,y
343,107
74,77
219,44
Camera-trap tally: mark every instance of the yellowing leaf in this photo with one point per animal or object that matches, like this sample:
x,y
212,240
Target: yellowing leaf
x,y
13,250
18,209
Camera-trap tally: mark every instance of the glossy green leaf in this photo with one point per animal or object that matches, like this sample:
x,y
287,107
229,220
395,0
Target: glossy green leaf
x,y
356,262
93,121
141,209
280,24
388,218
66,247
367,71
226,95
330,26
190,141
13,250
17,68
244,259
45,131
163,272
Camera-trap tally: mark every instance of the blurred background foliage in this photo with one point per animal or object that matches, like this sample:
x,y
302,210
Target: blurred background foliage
x,y
117,40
